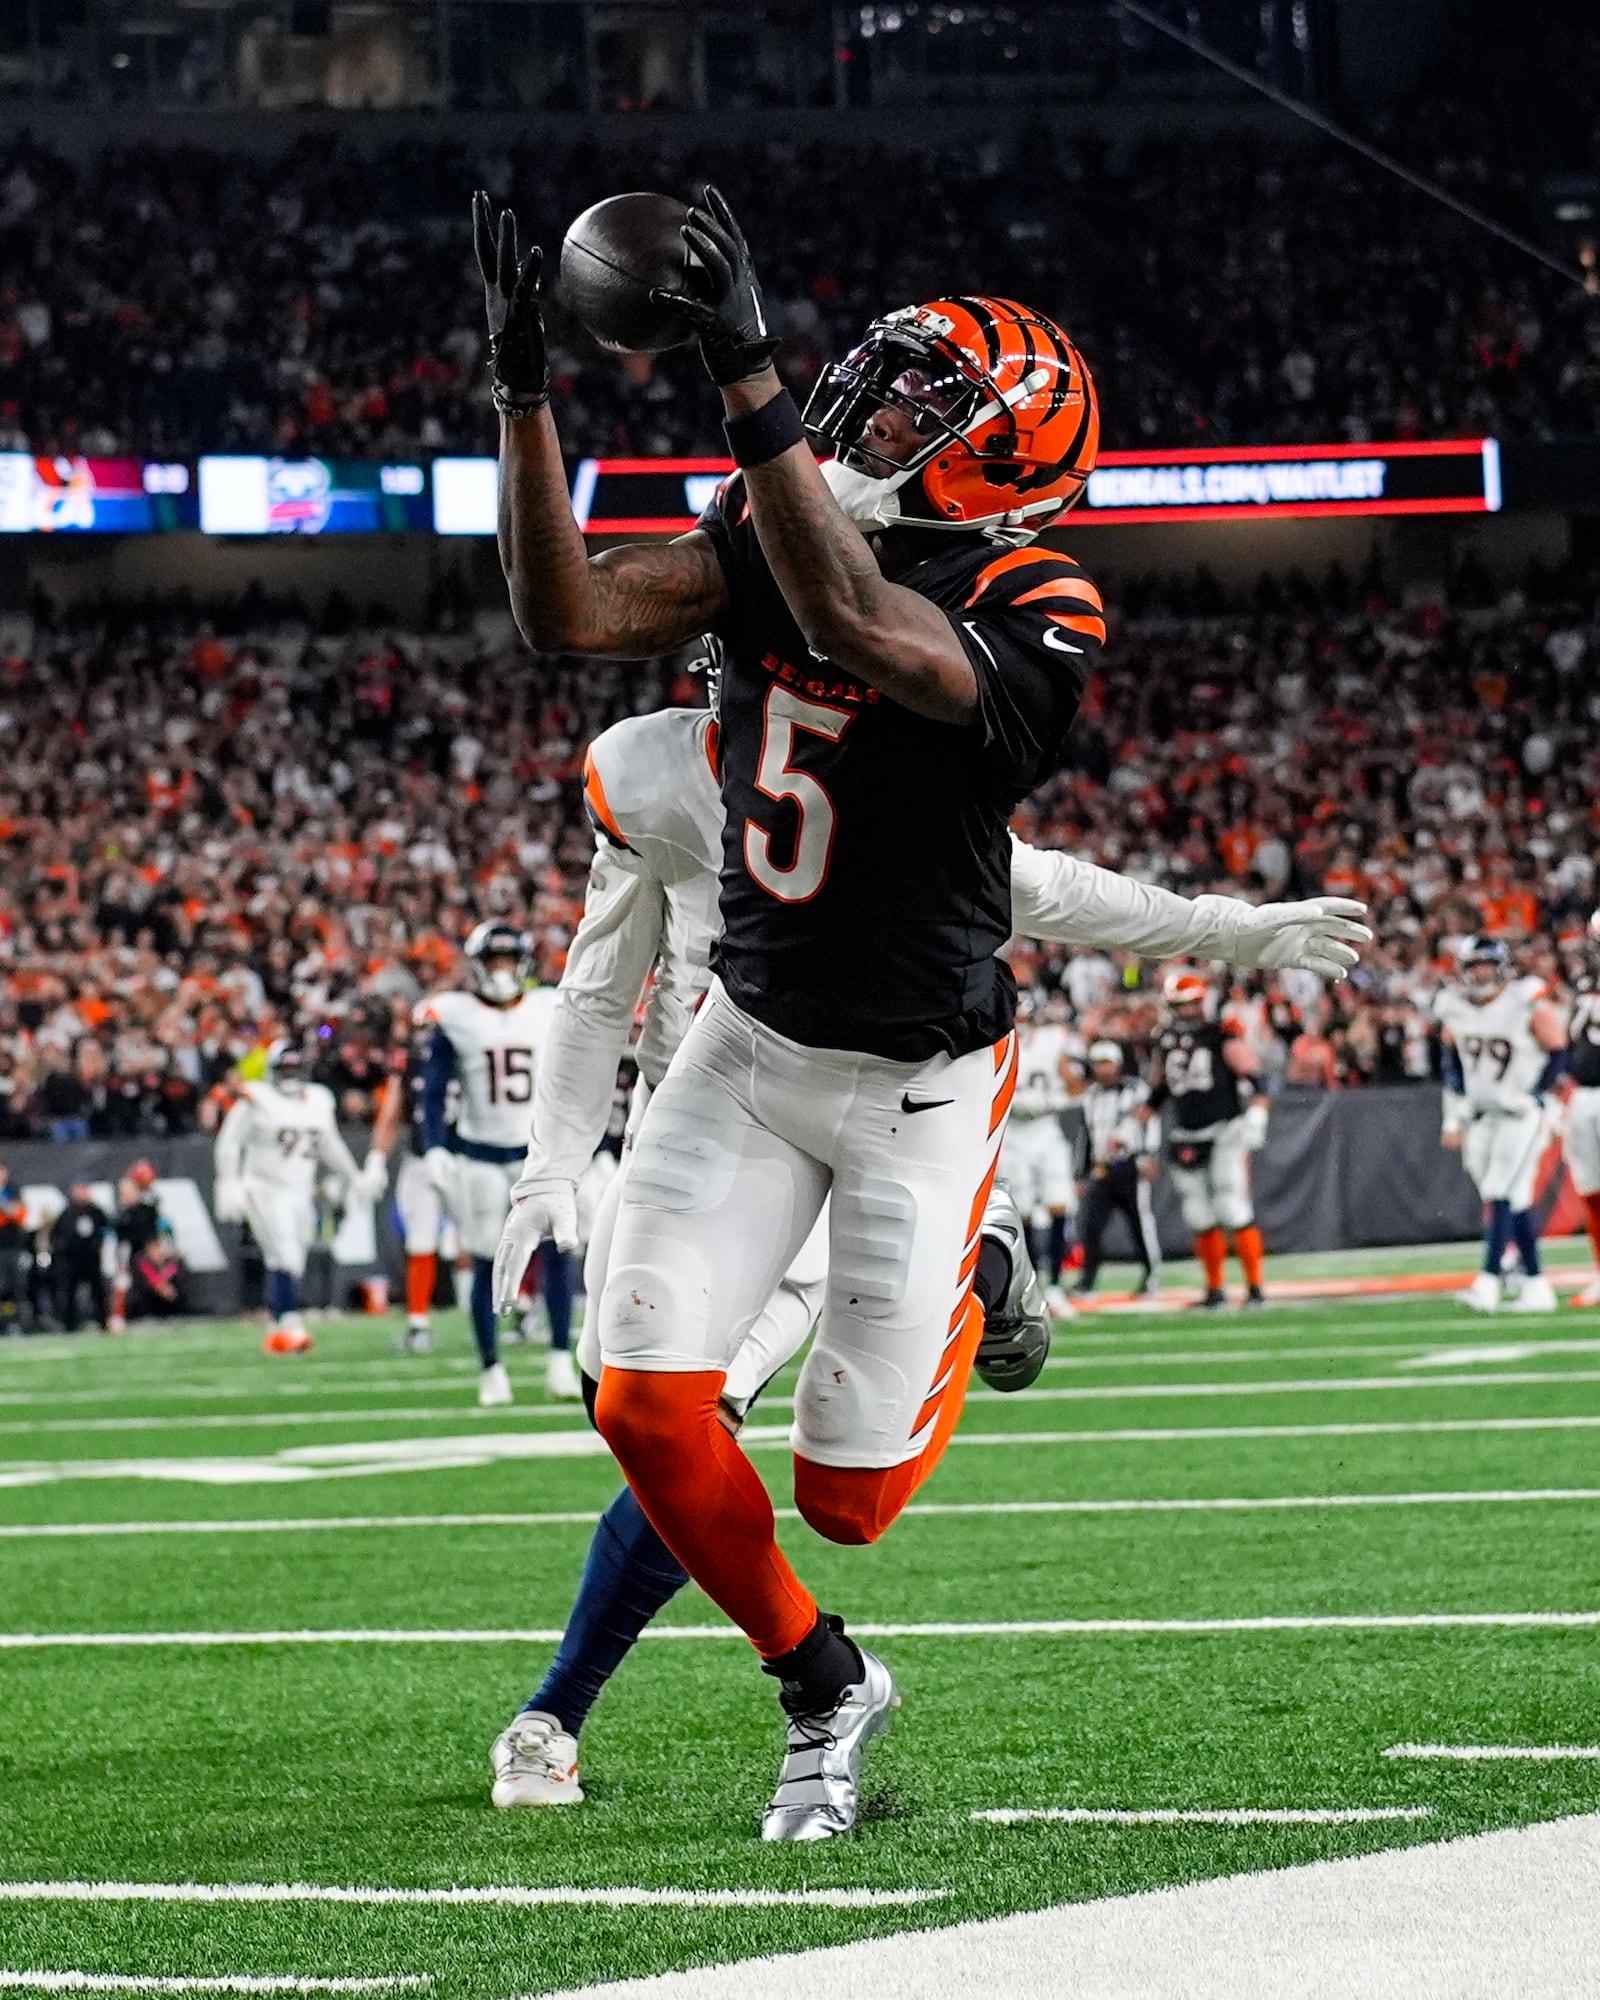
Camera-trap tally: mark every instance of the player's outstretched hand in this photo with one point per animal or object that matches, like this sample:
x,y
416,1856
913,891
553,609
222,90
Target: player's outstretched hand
x,y
227,1199
729,312
1323,934
519,369
546,1209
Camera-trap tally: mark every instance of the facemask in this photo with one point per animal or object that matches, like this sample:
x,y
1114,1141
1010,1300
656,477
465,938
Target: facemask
x,y
501,984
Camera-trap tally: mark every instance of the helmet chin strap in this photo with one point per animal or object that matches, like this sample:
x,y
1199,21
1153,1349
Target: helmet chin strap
x,y
875,503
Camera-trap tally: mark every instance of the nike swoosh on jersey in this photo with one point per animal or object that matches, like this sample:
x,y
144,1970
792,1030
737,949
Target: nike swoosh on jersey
x,y
1054,640
932,1104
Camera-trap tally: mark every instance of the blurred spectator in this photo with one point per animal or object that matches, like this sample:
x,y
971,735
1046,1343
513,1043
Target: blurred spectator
x,y
168,302
77,1259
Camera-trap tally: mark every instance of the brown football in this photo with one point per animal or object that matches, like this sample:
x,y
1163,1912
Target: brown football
x,y
613,257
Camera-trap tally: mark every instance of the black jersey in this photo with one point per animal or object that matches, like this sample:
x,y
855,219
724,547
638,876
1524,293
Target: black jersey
x,y
1584,1034
1196,1082
866,875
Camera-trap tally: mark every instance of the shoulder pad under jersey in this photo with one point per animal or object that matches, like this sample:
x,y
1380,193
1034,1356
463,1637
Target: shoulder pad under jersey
x,y
651,787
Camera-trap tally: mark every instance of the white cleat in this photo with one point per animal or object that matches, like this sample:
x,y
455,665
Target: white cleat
x,y
561,1382
1537,1295
1483,1294
418,1338
1590,1295
535,1763
818,1790
494,1387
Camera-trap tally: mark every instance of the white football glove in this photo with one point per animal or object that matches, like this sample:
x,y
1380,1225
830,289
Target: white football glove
x,y
439,1163
227,1199
1255,1127
1320,935
373,1180
548,1208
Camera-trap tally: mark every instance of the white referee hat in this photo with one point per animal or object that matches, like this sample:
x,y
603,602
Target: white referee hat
x,y
1100,1052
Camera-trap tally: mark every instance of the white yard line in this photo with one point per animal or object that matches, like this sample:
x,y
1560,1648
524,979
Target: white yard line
x,y
1023,1628
1201,1432
1095,1393
446,1453
1496,1753
944,1509
1202,1816
501,1896
238,1982
289,1419
1310,1386
259,1389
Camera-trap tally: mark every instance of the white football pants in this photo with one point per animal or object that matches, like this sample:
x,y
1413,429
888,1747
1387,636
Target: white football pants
x,y
480,1200
1501,1151
421,1208
1217,1195
1036,1165
1583,1140
737,1152
284,1224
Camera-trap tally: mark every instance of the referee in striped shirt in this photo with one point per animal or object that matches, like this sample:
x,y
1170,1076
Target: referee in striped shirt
x,y
1123,1161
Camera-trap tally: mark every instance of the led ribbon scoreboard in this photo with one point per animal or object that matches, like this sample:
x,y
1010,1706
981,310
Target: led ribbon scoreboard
x,y
244,495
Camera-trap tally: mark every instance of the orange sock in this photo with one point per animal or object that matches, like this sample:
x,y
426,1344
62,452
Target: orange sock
x,y
1212,1251
1251,1253
1591,1210
422,1271
704,1499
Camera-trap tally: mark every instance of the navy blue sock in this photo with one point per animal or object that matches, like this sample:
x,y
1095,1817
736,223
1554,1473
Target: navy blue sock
x,y
1525,1228
630,1573
556,1282
485,1323
283,1294
1056,1246
1497,1239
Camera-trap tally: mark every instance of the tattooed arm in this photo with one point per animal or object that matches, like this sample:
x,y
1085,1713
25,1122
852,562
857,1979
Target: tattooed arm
x,y
849,611
636,601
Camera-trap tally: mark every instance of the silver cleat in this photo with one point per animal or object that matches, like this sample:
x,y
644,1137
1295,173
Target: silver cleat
x,y
817,1793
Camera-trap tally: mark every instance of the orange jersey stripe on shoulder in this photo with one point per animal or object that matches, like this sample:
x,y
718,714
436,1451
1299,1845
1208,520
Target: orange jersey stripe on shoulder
x,y
1094,627
595,793
1078,588
1016,559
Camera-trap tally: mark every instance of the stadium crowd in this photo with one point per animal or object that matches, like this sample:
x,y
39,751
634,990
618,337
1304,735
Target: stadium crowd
x,y
220,828
164,303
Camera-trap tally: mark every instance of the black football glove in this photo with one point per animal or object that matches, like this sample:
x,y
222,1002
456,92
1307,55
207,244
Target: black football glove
x,y
734,341
519,370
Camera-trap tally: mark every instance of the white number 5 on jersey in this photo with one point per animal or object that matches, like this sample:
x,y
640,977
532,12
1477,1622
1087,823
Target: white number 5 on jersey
x,y
777,778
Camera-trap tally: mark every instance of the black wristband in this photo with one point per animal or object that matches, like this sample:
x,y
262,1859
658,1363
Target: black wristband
x,y
764,433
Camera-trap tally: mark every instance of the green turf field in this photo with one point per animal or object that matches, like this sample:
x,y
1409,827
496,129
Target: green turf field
x,y
354,1492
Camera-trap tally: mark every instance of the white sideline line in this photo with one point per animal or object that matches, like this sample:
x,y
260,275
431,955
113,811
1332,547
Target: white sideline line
x,y
1219,1816
1034,1628
506,1896
54,1530
1312,1386
292,1419
1178,1433
1497,1753
1095,1393
238,1982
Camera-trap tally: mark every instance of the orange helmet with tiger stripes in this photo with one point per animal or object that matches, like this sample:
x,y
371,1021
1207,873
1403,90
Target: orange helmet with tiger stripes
x,y
1007,421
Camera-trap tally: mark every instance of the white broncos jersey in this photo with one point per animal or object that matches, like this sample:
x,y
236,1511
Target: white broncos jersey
x,y
497,1055
1042,1047
275,1140
1500,1059
651,909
